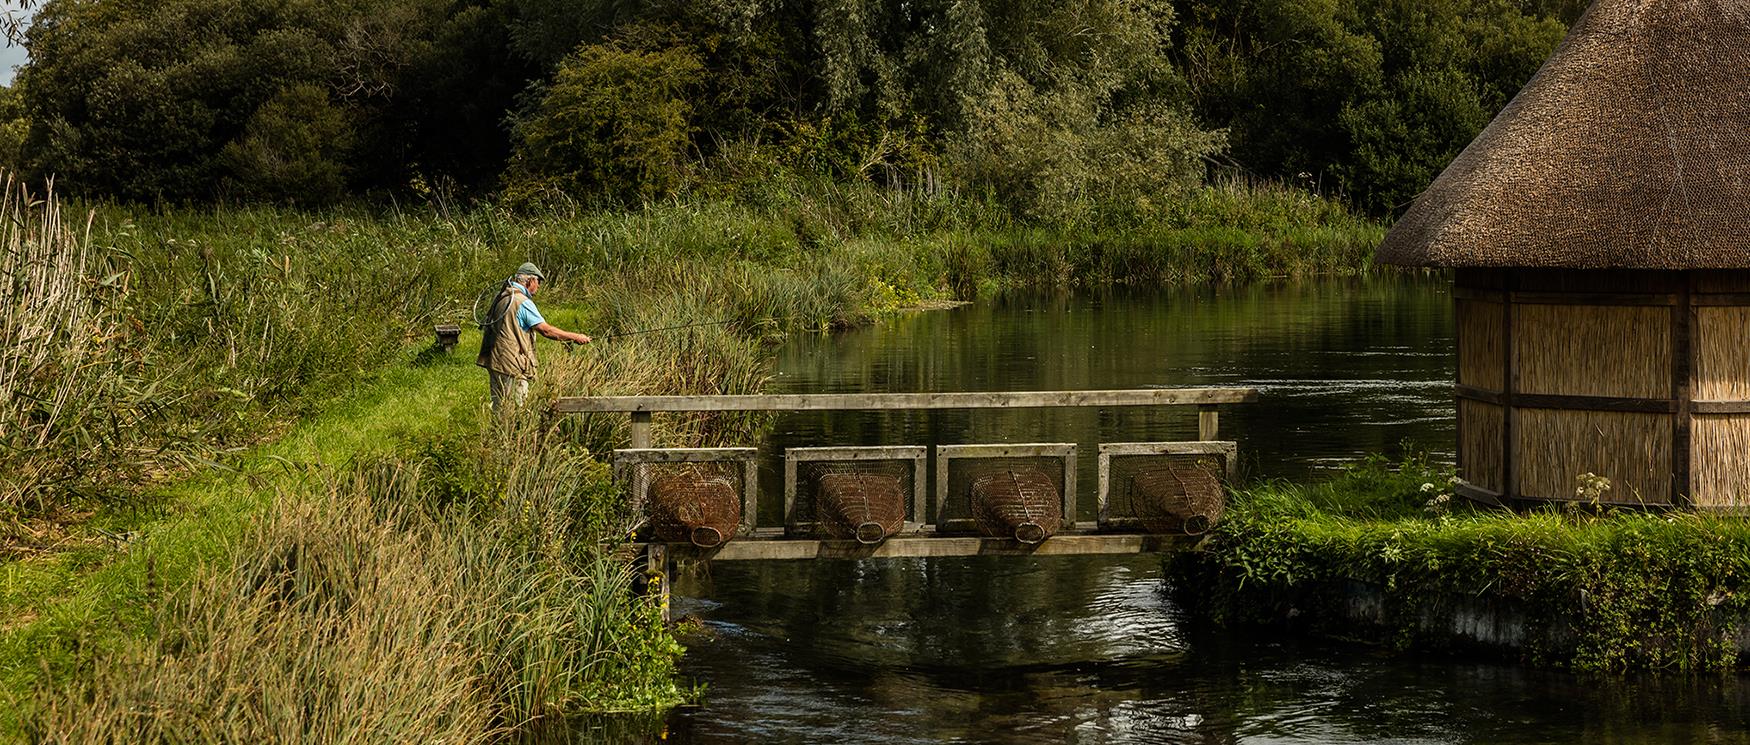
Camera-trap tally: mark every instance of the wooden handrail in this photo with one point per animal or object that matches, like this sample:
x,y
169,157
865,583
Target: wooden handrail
x,y
902,401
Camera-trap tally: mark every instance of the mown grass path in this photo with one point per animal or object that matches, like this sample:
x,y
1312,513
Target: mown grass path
x,y
64,607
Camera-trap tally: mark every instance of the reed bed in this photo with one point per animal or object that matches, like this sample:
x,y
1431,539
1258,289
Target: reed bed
x,y
57,373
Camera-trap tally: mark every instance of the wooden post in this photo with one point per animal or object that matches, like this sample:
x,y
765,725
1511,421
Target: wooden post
x,y
640,429
1683,390
1208,423
656,575
1509,384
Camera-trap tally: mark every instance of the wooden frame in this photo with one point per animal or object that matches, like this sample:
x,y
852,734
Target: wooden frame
x,y
627,460
1228,451
917,454
899,547
882,401
947,454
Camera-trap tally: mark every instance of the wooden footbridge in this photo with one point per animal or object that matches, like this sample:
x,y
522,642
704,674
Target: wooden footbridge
x,y
896,501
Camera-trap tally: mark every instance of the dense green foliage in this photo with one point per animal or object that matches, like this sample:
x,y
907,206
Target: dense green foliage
x,y
614,121
213,97
1611,591
1366,97
1053,111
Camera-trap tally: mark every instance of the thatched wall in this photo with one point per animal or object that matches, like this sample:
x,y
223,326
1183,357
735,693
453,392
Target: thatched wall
x,y
1481,344
1480,441
1591,350
1552,448
1719,454
1722,353
1640,377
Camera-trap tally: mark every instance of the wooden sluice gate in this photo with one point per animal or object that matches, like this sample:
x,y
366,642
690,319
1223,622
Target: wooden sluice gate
x,y
876,502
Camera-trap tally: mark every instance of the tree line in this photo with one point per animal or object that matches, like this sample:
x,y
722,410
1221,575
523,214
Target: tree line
x,y
1053,109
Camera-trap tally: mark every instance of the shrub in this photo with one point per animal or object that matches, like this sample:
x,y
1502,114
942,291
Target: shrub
x,y
293,149
615,123
1056,154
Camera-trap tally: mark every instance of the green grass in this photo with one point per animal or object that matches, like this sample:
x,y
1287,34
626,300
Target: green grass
x,y
1611,590
64,608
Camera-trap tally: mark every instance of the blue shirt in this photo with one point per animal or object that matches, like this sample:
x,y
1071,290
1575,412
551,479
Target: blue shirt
x,y
527,315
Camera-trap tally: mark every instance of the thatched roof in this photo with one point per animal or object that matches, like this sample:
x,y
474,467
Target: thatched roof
x,y
1630,148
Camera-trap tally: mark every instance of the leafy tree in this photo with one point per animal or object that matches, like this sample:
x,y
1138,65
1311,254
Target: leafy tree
x,y
293,148
1401,142
1058,154
164,98
1051,105
13,129
614,122
1368,97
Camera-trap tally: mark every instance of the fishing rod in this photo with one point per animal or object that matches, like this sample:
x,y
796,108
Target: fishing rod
x,y
702,324
484,301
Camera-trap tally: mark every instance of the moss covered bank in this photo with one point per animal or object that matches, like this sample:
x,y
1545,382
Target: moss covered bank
x,y
1381,551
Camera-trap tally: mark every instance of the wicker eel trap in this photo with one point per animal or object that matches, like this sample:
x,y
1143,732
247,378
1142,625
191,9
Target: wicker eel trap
x,y
1022,503
696,503
1182,497
866,504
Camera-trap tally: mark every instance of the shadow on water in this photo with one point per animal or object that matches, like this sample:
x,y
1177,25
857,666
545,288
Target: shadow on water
x,y
1091,649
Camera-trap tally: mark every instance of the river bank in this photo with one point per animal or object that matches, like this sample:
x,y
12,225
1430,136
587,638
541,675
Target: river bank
x,y
179,571
1386,552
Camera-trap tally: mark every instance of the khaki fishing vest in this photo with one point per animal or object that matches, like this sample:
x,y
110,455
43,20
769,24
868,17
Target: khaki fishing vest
x,y
506,348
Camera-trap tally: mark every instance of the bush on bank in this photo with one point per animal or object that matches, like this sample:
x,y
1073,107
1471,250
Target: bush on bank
x,y
1603,591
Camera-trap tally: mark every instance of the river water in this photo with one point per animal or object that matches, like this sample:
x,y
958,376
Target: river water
x,y
1091,649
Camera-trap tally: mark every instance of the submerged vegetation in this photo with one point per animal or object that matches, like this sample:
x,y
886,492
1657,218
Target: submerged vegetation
x,y
1591,590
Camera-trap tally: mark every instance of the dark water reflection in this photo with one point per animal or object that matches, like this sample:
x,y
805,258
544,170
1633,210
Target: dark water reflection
x,y
1091,649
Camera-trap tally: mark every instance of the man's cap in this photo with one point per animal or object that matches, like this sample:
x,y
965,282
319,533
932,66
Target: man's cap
x,y
529,268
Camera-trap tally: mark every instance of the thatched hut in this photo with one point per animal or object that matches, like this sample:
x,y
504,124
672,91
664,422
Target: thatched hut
x,y
1599,230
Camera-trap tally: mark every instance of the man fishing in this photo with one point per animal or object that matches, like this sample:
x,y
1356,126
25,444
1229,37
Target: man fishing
x,y
508,349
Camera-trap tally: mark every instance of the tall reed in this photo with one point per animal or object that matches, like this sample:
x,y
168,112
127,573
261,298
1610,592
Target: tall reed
x,y
372,607
54,343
